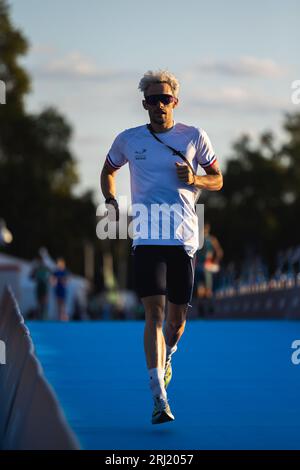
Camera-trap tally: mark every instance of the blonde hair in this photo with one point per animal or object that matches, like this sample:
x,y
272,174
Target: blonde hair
x,y
159,76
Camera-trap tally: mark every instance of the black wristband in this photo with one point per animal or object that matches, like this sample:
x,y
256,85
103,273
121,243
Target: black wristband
x,y
108,200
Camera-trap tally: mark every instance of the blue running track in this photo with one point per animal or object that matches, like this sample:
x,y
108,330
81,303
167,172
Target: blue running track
x,y
234,385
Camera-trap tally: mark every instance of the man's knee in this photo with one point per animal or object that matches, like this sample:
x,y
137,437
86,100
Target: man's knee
x,y
177,324
154,313
176,317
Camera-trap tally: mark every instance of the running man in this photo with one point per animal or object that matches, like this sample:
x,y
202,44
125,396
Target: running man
x,y
164,265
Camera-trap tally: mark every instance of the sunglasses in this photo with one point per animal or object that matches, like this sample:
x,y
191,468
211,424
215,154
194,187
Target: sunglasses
x,y
153,100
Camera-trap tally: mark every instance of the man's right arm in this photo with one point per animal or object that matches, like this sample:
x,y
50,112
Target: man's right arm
x,y
108,176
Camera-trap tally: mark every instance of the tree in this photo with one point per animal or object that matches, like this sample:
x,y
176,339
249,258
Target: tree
x,y
12,45
38,172
257,206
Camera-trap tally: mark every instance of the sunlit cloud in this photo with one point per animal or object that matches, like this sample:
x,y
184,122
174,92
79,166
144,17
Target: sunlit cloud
x,y
236,99
244,66
42,49
75,66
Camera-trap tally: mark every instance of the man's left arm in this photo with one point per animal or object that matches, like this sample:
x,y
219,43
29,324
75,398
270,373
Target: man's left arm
x,y
212,181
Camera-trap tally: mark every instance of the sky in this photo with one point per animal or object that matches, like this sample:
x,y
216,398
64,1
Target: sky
x,y
235,62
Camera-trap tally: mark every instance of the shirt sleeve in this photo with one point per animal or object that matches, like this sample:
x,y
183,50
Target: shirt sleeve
x,y
205,153
115,156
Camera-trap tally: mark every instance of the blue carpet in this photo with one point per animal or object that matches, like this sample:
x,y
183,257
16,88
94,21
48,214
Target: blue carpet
x,y
234,385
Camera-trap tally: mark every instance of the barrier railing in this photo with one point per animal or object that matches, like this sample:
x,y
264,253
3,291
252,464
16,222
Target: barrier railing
x,y
276,303
30,415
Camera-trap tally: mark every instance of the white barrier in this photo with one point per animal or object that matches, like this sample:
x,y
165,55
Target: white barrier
x,y
30,416
280,303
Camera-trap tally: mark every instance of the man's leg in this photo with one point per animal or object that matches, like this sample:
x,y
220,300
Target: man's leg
x,y
154,342
150,274
175,323
174,328
155,350
180,279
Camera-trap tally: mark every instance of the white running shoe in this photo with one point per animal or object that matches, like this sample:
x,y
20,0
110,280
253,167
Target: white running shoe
x,y
162,412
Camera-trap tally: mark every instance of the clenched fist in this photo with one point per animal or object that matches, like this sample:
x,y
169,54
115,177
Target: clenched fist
x,y
184,173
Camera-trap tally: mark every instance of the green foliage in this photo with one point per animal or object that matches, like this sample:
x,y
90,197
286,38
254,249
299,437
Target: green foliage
x,y
12,45
258,207
37,169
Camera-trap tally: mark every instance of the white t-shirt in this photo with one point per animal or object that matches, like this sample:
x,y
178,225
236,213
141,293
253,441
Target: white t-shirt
x,y
154,182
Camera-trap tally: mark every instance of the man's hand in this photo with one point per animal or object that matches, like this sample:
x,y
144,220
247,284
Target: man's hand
x,y
184,173
112,207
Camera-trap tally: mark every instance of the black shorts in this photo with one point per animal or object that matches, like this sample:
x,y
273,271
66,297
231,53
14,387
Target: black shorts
x,y
164,270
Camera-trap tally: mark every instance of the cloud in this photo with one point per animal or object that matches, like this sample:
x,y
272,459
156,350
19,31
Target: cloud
x,y
43,49
75,66
244,66
236,99
89,140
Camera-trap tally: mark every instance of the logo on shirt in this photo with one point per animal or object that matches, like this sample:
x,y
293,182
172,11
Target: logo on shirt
x,y
140,154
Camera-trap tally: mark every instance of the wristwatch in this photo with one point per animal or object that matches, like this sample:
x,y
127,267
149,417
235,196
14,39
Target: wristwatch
x,y
113,208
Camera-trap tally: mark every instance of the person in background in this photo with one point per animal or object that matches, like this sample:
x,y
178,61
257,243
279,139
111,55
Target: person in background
x,y
208,264
60,280
41,275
